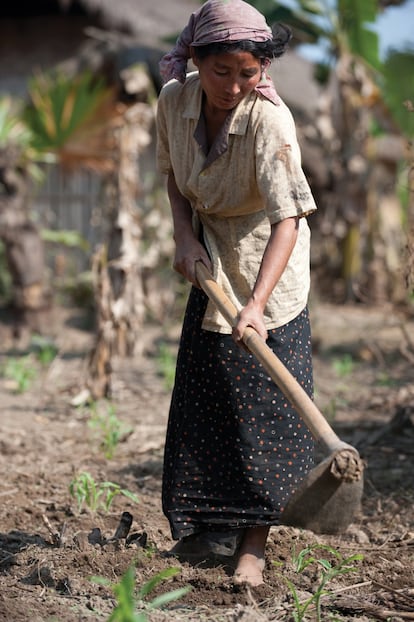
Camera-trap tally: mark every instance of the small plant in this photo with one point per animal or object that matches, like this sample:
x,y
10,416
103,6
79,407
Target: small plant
x,y
44,349
166,365
108,427
20,371
96,496
340,566
384,380
344,366
128,601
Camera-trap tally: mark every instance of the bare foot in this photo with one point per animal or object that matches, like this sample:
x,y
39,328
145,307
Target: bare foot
x,y
251,557
249,570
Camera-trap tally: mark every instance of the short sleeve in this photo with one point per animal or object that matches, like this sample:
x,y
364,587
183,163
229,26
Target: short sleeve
x,y
281,181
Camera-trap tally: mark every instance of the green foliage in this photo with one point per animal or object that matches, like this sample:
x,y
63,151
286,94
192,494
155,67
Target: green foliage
x,y
65,237
347,26
339,26
12,129
108,427
62,105
128,601
344,365
300,18
21,371
330,568
354,16
44,349
96,496
398,88
15,134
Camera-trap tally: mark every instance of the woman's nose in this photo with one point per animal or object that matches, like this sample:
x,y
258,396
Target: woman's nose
x,y
233,88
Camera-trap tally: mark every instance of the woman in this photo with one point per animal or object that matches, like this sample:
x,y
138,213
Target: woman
x,y
235,449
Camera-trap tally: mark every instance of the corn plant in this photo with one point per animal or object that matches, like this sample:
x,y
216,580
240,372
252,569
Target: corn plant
x,y
96,496
108,428
329,570
128,601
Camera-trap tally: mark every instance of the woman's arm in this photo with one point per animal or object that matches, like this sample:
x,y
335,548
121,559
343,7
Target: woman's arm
x,y
187,248
281,243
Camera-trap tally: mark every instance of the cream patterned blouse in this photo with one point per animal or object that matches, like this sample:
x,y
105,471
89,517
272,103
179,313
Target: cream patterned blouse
x,y
251,178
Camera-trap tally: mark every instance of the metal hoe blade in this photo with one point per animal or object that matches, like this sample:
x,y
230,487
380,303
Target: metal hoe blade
x,y
328,498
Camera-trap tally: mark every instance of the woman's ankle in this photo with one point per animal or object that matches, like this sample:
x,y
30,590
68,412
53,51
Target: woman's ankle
x,y
254,541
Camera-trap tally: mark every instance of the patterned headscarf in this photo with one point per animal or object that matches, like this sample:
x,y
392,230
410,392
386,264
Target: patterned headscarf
x,y
215,22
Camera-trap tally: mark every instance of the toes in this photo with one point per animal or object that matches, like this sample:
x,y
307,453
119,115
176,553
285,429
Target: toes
x,y
251,579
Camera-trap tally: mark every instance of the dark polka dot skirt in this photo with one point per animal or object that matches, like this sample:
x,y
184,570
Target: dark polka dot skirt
x,y
236,448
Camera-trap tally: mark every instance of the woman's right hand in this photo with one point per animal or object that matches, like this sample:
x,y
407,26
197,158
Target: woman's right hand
x,y
188,251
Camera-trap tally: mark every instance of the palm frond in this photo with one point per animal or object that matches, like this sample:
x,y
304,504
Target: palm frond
x,y
65,110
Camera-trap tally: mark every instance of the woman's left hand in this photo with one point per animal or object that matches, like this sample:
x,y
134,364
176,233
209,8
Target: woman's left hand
x,y
250,315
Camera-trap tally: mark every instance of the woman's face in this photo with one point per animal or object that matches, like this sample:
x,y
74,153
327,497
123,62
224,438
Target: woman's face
x,y
227,78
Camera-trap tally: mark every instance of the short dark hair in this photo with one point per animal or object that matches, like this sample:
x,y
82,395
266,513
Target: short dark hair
x,y
273,48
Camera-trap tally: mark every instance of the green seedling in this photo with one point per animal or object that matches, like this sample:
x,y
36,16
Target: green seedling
x,y
96,496
329,570
21,372
128,600
166,361
109,429
344,366
44,349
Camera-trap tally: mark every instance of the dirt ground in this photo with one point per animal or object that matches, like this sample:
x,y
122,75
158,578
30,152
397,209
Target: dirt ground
x,y
50,549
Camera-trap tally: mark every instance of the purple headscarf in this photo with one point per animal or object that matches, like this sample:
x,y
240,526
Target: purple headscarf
x,y
215,22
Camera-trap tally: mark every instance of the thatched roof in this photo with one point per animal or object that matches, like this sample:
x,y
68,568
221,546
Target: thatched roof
x,y
148,20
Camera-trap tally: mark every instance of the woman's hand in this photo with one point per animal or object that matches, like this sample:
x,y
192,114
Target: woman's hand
x,y
188,251
250,315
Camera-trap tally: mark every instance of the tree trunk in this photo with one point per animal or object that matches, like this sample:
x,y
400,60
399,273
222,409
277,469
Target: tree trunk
x,y
24,248
364,186
119,289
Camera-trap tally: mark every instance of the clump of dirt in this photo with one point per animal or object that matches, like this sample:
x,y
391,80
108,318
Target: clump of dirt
x,y
50,548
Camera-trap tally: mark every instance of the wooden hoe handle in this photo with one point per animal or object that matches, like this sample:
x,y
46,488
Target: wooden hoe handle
x,y
314,419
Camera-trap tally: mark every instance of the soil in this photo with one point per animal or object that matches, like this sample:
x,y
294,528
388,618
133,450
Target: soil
x,y
50,548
